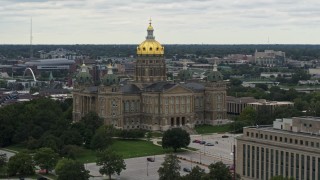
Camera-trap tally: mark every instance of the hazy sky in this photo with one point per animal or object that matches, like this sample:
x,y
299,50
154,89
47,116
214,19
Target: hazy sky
x,y
175,21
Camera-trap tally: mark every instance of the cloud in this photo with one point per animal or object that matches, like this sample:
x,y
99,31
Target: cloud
x,y
175,21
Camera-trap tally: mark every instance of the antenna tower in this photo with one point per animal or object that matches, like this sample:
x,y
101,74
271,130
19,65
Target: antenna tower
x,y
31,50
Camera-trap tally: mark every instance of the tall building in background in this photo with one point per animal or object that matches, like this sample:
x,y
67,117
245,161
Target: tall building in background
x,y
291,148
149,101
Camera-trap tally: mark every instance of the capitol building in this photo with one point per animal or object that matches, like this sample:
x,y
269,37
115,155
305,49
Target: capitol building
x,y
150,101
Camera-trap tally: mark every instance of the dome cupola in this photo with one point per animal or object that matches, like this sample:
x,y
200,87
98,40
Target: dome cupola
x,y
110,78
150,46
185,74
214,75
84,77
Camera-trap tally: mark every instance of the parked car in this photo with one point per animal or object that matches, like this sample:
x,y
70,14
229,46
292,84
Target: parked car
x,y
150,159
186,169
202,142
209,144
225,136
196,141
217,142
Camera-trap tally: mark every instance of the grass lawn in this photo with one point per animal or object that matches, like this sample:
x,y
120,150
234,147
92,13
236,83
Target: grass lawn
x,y
18,148
127,148
205,129
136,148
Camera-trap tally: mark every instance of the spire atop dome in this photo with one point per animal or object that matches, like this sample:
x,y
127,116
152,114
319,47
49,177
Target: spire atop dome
x,y
150,31
185,67
215,66
109,69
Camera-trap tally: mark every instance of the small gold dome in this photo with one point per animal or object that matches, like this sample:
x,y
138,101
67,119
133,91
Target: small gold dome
x,y
150,27
150,47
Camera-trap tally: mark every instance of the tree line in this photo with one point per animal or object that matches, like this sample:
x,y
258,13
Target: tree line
x,y
299,52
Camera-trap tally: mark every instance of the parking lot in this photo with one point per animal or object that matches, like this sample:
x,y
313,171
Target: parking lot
x,y
222,149
140,169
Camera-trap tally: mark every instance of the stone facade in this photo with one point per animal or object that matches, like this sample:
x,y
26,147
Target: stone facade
x,y
149,101
291,148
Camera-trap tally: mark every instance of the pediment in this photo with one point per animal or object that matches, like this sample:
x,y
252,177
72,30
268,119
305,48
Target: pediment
x,y
177,89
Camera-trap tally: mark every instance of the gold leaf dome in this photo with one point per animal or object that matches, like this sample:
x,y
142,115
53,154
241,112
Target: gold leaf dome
x,y
150,46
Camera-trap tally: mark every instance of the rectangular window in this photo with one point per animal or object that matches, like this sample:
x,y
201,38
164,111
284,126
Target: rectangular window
x,y
308,167
277,162
285,139
281,162
291,165
262,163
257,163
287,164
188,99
302,167
248,161
271,163
318,168
307,143
297,166
253,160
177,100
312,144
265,136
244,160
313,168
267,163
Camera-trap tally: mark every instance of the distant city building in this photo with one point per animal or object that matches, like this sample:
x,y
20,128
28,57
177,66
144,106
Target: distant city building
x,y
290,148
236,105
308,82
275,74
269,58
149,101
315,73
60,53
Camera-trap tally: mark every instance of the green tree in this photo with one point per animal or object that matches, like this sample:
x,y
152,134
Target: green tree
x,y
102,138
3,163
21,164
281,178
71,137
248,115
68,169
111,162
46,158
196,174
235,82
170,168
219,171
88,126
175,138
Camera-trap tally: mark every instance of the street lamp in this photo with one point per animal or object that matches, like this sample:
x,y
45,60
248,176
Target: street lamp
x,y
233,155
147,168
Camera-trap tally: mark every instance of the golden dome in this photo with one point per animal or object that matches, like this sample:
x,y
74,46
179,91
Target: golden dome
x,y
150,46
